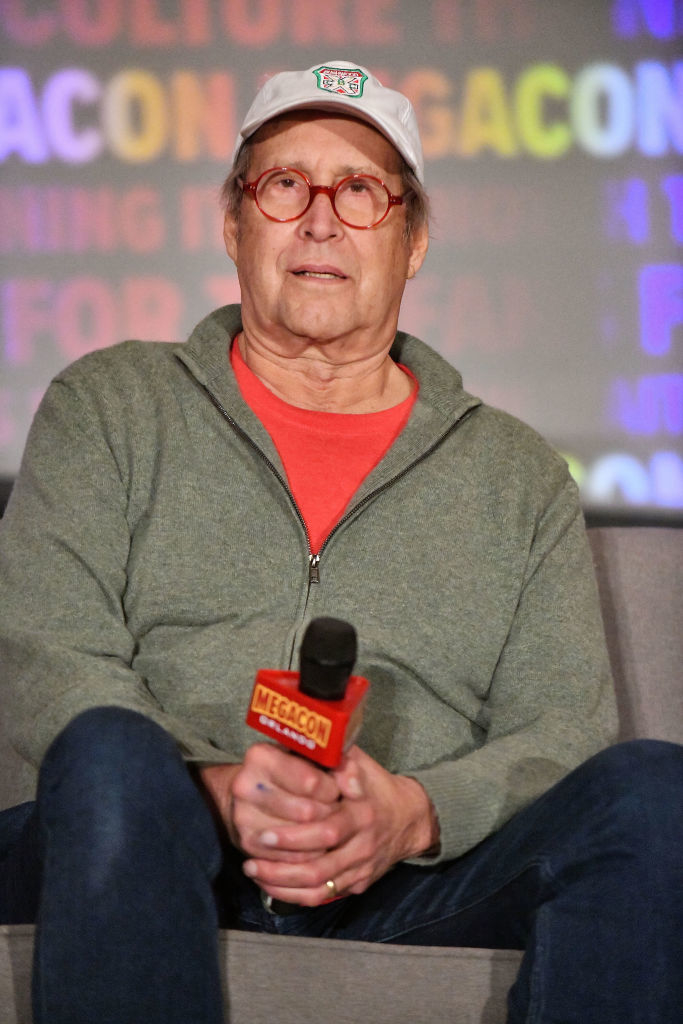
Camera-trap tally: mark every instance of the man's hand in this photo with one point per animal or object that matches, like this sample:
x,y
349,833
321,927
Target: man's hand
x,y
271,789
300,834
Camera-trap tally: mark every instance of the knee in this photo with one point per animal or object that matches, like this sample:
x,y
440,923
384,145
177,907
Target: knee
x,y
114,772
641,784
644,764
103,739
111,757
114,785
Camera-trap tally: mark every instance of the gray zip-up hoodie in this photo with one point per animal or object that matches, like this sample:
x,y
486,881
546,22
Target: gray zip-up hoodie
x,y
152,557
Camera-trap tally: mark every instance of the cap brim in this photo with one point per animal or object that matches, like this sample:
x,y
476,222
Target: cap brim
x,y
336,106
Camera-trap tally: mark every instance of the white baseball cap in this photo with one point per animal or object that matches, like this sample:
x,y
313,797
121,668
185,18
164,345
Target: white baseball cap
x,y
345,87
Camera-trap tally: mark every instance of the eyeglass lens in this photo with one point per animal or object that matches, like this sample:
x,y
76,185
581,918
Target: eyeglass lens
x,y
284,194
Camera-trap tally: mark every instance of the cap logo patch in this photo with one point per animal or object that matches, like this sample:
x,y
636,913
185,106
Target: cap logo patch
x,y
343,81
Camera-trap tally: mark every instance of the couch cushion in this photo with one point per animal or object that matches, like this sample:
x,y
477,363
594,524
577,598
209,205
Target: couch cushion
x,y
640,577
304,981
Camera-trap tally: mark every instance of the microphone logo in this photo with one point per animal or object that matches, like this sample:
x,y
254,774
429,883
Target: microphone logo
x,y
318,711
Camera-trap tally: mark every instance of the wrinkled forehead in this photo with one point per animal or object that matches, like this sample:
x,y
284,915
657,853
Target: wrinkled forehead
x,y
303,135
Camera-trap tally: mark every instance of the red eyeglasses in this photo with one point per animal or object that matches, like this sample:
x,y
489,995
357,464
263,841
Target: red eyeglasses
x,y
359,200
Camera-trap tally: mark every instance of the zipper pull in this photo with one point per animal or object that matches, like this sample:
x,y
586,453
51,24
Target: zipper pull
x,y
313,570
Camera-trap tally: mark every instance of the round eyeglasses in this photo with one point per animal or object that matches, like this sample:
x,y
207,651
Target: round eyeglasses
x,y
359,200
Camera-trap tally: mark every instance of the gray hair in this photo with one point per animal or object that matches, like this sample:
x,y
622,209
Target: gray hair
x,y
416,201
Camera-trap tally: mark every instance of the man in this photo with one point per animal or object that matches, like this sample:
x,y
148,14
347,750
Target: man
x,y
184,511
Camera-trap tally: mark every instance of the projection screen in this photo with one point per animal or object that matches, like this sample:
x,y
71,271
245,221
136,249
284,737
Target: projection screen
x,y
553,133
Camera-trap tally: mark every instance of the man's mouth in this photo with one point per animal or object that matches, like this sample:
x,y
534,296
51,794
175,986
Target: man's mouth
x,y
322,275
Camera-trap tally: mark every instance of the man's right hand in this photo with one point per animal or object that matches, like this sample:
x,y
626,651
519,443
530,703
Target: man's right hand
x,y
271,788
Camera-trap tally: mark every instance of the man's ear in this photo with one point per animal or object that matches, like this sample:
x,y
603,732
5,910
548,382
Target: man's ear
x,y
230,235
418,245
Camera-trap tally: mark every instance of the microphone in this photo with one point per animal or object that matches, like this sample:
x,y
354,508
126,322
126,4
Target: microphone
x,y
317,711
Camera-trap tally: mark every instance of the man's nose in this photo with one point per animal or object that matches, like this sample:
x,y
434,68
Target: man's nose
x,y
320,220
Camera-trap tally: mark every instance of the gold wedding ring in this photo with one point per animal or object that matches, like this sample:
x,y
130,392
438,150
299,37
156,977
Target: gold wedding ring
x,y
331,888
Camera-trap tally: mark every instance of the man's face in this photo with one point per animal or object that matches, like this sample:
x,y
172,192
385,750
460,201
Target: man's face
x,y
315,280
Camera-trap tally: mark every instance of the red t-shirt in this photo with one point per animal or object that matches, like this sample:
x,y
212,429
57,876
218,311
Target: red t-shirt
x,y
326,455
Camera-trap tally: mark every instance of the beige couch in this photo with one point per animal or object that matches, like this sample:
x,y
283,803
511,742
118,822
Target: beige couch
x,y
305,981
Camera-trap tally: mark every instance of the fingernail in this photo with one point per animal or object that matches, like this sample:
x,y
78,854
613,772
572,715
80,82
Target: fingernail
x,y
249,868
355,787
269,838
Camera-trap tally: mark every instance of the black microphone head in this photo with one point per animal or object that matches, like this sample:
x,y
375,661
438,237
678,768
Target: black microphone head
x,y
328,654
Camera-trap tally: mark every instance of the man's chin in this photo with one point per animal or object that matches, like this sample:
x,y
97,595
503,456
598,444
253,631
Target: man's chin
x,y
316,326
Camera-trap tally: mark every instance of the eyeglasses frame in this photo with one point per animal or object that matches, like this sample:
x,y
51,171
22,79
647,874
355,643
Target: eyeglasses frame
x,y
249,188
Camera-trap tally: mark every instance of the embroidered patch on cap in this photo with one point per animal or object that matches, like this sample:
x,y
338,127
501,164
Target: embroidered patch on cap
x,y
344,81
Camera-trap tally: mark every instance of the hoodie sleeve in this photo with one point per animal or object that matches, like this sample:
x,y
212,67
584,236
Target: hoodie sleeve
x,y
551,702
64,543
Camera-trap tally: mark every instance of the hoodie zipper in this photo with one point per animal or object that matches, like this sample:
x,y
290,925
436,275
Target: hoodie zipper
x,y
314,559
278,476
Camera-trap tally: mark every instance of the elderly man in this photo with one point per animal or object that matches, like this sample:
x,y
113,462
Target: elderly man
x,y
184,511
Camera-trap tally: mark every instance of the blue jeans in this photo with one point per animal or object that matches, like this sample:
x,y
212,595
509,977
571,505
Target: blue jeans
x,y
120,865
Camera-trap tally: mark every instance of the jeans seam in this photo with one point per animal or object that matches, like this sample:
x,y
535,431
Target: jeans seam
x,y
536,1004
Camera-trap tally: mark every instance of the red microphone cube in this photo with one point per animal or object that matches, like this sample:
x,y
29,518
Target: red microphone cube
x,y
320,730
